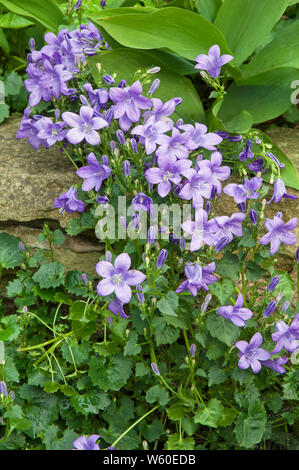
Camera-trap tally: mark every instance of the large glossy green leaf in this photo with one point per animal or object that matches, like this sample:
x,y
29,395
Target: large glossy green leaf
x,y
208,8
283,50
46,13
247,23
126,62
12,21
3,42
181,31
289,173
265,96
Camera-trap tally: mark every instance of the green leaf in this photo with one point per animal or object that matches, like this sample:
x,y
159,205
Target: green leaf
x,y
90,403
216,375
176,442
4,45
241,123
49,275
12,21
289,173
209,415
132,348
286,284
181,31
59,238
157,394
112,374
282,51
223,290
13,84
107,348
47,13
4,108
152,431
265,95
189,426
253,271
250,427
228,417
10,254
11,330
14,288
222,329
229,266
246,24
208,8
126,62
177,411
169,304
164,334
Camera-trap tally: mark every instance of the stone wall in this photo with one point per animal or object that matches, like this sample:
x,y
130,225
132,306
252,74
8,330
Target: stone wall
x,y
31,180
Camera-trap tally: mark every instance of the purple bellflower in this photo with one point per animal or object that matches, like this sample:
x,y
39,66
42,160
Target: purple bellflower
x,y
218,172
198,277
129,101
142,202
49,131
237,313
94,173
199,136
83,443
174,145
286,336
224,228
69,202
118,278
251,354
276,364
83,126
160,111
213,61
278,233
241,192
247,153
152,134
169,171
197,186
116,307
279,192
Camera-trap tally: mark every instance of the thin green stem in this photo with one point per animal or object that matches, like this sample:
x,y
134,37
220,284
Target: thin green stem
x,y
133,425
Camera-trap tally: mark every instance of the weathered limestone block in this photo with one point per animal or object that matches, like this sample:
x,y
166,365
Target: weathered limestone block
x,y
30,181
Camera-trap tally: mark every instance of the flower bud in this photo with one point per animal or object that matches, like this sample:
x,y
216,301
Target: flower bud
x,y
121,137
108,79
21,246
192,350
161,258
84,278
140,295
155,368
154,70
126,168
253,216
270,308
273,283
155,85
152,234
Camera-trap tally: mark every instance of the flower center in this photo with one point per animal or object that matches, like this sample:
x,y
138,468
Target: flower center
x,y
87,127
167,176
117,279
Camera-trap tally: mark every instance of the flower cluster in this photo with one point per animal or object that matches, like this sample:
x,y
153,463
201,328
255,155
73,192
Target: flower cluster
x,y
123,139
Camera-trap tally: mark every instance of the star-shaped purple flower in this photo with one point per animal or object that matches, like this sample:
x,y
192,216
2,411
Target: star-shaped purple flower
x,y
142,202
224,228
69,202
251,354
218,172
94,173
279,192
169,171
213,61
198,277
286,336
83,443
241,192
278,233
129,101
236,313
118,278
174,145
197,186
83,126
199,136
152,134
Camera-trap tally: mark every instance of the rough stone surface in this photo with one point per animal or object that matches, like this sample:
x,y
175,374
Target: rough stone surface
x,y
30,180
